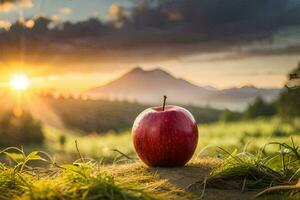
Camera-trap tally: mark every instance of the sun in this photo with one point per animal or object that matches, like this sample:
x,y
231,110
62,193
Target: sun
x,y
19,82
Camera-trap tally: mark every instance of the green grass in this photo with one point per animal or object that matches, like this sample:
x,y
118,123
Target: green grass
x,y
276,174
235,135
37,176
99,147
251,133
80,180
242,176
74,182
229,161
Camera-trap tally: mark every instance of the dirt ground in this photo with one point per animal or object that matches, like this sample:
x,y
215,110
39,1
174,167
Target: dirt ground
x,y
185,182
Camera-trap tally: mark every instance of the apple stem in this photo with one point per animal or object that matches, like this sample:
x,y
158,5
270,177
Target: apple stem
x,y
164,104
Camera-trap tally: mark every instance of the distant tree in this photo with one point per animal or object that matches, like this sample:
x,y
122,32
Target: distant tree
x,y
289,103
289,100
294,78
15,131
229,116
260,108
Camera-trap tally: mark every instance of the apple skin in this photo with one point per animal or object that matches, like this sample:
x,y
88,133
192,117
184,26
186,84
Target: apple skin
x,y
165,138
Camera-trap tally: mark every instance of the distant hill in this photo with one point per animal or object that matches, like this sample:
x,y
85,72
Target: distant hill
x,y
239,98
102,116
149,87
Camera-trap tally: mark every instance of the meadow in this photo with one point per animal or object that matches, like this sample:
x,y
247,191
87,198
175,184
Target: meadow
x,y
250,134
229,161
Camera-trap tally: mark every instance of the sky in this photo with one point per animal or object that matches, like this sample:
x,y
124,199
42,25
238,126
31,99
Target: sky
x,y
223,45
79,9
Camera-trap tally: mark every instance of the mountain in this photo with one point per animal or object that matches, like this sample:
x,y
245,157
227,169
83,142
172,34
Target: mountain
x,y
239,98
149,87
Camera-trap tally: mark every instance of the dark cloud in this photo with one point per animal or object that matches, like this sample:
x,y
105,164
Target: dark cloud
x,y
223,20
157,29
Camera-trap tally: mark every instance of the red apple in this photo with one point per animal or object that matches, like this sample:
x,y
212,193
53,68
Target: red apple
x,y
165,136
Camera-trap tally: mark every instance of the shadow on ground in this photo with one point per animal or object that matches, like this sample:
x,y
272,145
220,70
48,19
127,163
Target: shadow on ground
x,y
191,178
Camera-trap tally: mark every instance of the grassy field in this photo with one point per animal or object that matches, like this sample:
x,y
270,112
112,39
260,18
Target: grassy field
x,y
235,135
201,179
229,163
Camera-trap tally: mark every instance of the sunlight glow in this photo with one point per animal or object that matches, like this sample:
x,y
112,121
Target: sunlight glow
x,y
19,82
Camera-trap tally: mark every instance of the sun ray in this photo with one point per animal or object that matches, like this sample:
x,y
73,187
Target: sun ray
x,y
19,82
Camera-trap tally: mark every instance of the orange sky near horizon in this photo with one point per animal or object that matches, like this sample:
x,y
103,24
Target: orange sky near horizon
x,y
218,74
269,72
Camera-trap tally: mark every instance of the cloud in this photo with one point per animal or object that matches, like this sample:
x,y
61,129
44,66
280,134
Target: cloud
x,y
29,23
225,20
156,30
54,18
66,10
8,5
5,24
197,21
117,15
